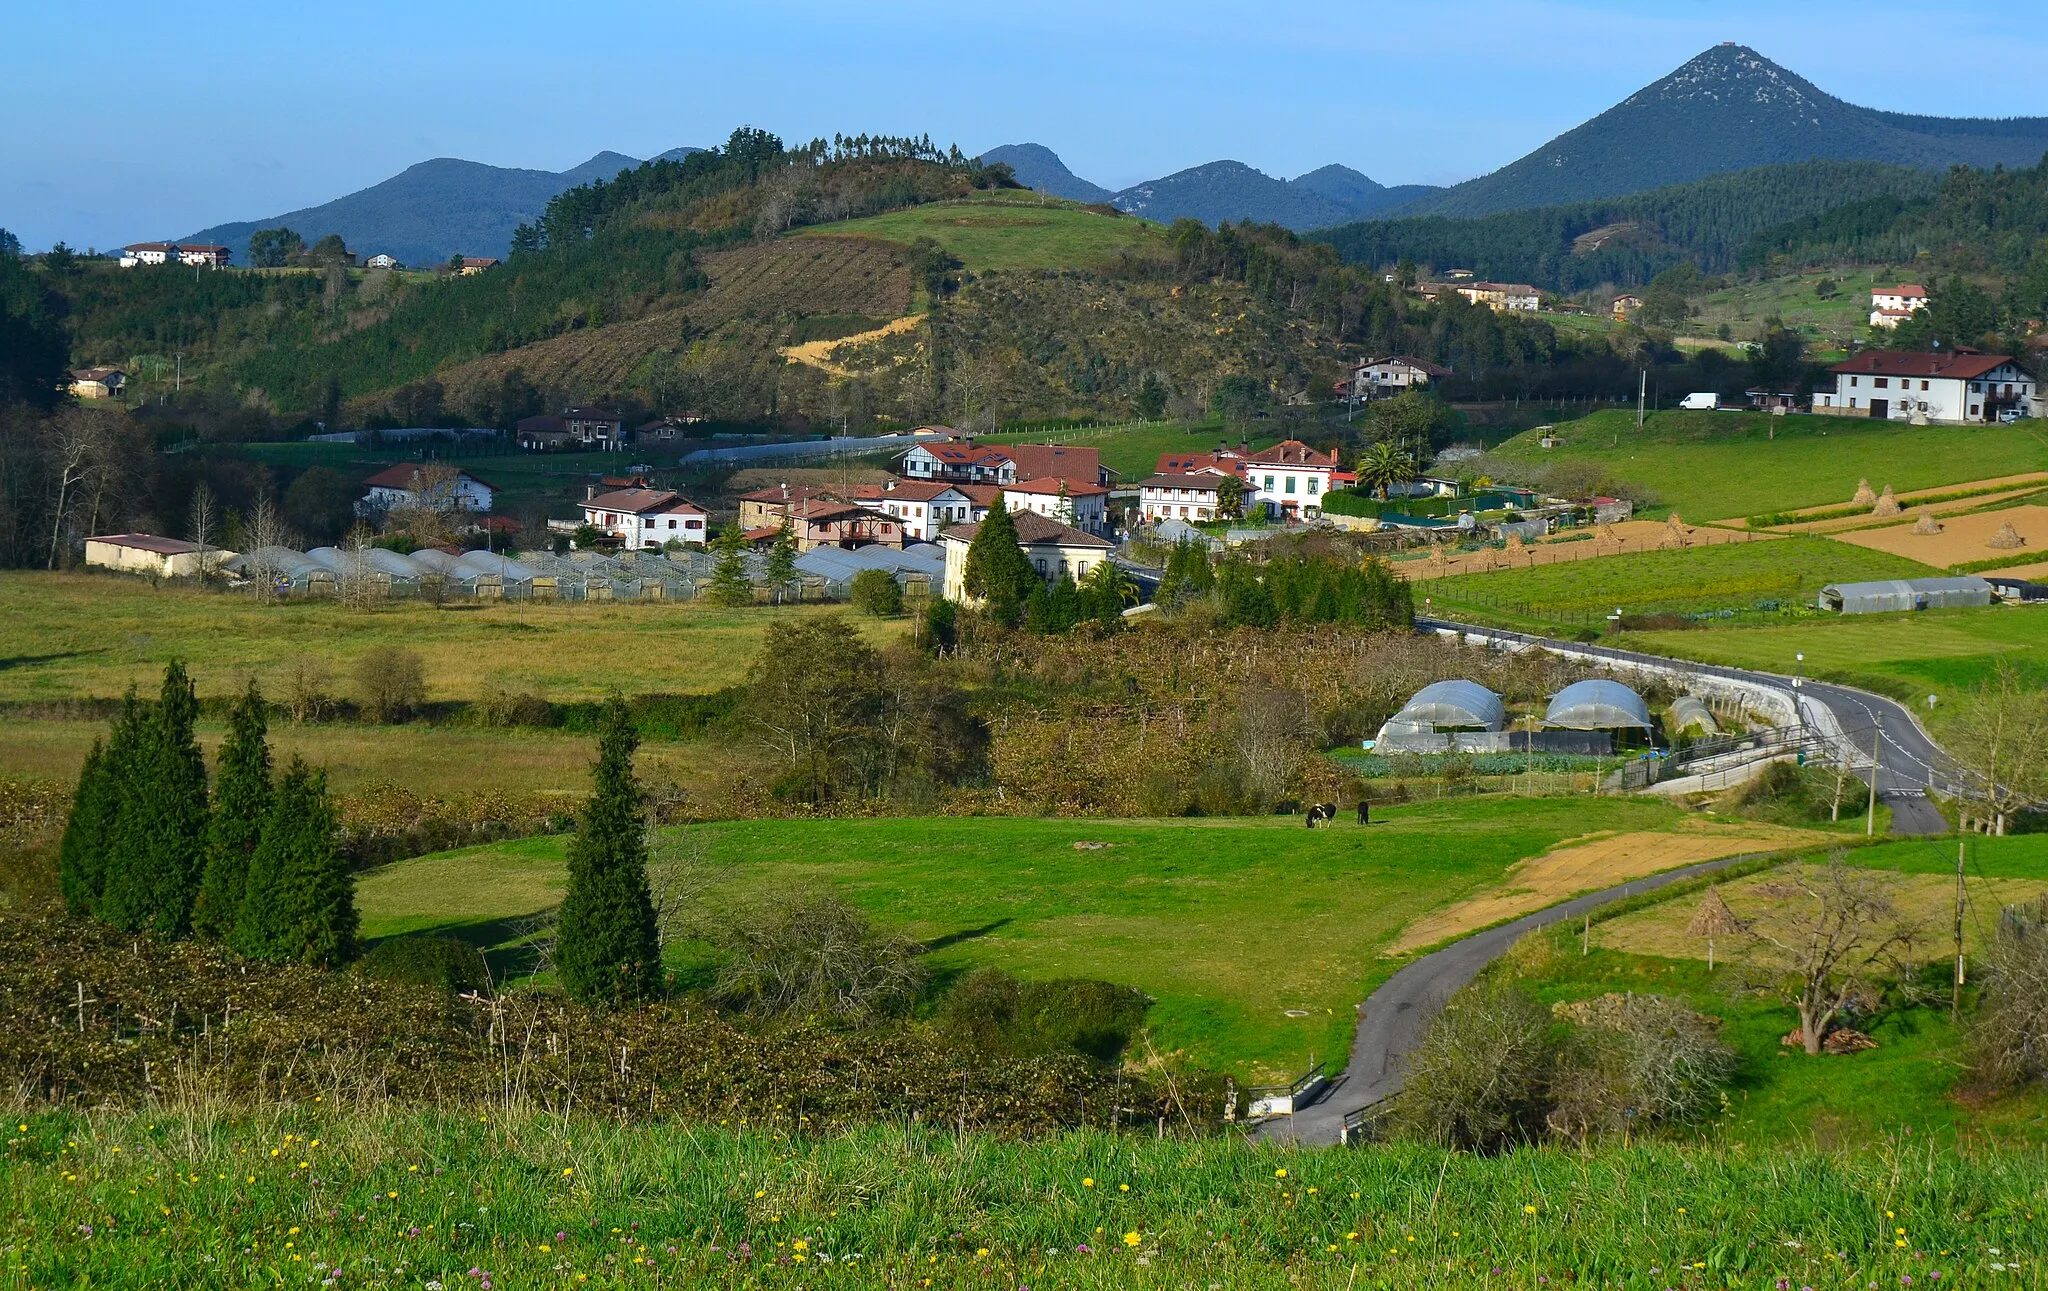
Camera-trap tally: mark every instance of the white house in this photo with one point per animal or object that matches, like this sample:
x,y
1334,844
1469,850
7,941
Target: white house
x,y
1956,387
646,517
1377,377
923,508
383,260
398,487
1084,506
1288,480
1053,548
142,553
1181,497
136,253
1502,297
1890,306
959,461
207,255
97,383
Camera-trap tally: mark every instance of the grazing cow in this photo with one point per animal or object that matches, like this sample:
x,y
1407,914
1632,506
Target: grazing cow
x,y
1324,811
1364,812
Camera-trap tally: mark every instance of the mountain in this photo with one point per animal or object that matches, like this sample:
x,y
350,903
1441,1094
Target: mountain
x,y
1231,190
1038,166
1356,193
1729,109
433,210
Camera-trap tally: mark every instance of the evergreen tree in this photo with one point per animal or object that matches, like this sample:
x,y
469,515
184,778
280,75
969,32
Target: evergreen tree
x,y
299,901
997,570
781,571
158,842
605,944
81,857
729,582
241,800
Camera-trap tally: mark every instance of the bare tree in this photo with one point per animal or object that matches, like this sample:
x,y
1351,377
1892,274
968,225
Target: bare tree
x,y
432,501
1271,728
678,877
359,578
1839,934
202,523
306,697
817,955
267,537
79,463
2009,1039
2000,738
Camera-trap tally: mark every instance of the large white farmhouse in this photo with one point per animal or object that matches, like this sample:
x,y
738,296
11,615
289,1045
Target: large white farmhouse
x,y
1956,387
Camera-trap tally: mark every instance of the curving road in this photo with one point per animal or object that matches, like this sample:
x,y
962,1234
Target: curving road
x,y
1393,1018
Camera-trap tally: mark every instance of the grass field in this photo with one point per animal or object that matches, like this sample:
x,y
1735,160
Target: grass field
x,y
517,1199
73,636
1724,465
1842,317
1577,594
1229,923
1907,656
1008,230
522,480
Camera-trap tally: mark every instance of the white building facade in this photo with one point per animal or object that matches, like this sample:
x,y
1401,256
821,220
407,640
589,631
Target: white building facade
x,y
1288,480
1084,506
1181,497
1053,549
1951,387
642,518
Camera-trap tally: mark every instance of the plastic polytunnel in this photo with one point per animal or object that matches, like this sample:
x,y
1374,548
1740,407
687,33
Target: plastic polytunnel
x,y
1464,705
1597,705
1688,713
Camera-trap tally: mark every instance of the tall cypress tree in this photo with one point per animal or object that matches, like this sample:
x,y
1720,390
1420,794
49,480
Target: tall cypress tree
x,y
605,943
81,858
298,904
158,842
997,569
241,799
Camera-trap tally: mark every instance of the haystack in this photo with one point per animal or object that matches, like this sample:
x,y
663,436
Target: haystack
x,y
1887,505
1927,524
1864,497
1713,919
2006,539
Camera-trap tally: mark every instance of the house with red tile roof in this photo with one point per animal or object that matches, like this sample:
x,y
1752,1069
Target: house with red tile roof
x,y
642,517
398,487
1957,387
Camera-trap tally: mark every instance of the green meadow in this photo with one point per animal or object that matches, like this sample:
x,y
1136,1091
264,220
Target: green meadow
x,y
1727,465
1255,936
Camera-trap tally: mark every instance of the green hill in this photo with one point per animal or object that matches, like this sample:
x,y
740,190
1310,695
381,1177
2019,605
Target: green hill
x,y
1010,230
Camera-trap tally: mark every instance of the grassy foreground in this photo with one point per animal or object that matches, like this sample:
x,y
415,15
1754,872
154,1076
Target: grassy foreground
x,y
374,1199
1255,936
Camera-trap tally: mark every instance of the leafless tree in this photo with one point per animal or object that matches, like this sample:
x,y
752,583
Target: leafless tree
x,y
2009,1039
2000,738
202,523
1638,1061
1477,1081
391,683
305,693
1270,729
267,537
432,502
360,584
79,464
678,875
817,955
1837,936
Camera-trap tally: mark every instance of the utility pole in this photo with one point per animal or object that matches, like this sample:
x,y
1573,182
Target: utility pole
x,y
1642,389
1955,1001
1876,742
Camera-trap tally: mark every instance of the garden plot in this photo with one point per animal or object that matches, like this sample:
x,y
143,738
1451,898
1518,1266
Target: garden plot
x,y
1963,539
1592,863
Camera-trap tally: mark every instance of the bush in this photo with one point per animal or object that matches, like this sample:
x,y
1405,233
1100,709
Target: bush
x,y
453,965
1639,1061
876,592
996,1014
499,706
818,956
391,684
1478,1081
2009,1040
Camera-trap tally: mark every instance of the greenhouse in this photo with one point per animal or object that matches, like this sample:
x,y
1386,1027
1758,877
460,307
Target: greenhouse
x,y
1892,595
1597,705
1688,714
1443,716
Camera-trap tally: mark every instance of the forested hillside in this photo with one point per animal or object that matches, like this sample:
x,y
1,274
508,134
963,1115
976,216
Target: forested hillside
x,y
1629,240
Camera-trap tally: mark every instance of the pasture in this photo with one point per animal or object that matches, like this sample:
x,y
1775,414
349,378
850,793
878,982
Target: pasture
x,y
1733,576
1726,465
1255,935
1008,230
92,636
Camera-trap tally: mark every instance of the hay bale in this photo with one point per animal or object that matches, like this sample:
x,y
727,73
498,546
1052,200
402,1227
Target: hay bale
x,y
1864,497
1887,505
1927,524
2006,539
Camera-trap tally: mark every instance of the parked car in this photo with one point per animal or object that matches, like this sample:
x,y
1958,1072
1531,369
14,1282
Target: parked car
x,y
1703,401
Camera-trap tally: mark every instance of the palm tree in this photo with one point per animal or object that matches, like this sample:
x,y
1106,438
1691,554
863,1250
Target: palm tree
x,y
1383,465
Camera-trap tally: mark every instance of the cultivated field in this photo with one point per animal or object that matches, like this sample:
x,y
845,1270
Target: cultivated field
x,y
1007,231
1626,538
1735,576
1256,935
1963,539
1724,465
90,636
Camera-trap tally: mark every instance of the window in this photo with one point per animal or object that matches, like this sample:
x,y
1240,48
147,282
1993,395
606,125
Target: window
x,y
1290,484
1269,484
1315,483
671,522
1923,385
1855,381
1976,387
1974,411
1881,383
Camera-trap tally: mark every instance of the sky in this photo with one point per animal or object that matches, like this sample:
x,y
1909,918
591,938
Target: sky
x,y
135,122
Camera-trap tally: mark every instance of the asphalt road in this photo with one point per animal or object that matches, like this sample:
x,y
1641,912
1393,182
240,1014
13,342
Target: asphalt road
x,y
1394,1017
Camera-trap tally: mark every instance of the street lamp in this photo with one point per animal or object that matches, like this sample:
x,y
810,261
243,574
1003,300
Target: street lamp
x,y
1798,676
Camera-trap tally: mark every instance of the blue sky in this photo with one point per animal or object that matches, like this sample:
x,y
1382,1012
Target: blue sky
x,y
134,120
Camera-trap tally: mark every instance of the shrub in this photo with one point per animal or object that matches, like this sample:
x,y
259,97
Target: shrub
x,y
497,705
391,684
997,1014
1478,1080
818,956
1639,1061
876,592
2009,1040
447,962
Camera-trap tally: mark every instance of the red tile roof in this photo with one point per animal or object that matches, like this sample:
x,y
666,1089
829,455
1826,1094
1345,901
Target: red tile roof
x,y
1035,530
1948,364
401,477
1053,487
1291,452
1056,461
1207,483
641,502
791,492
904,490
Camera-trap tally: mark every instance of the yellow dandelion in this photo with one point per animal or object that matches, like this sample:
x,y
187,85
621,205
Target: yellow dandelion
x,y
1350,1237
1528,1210
1123,1187
544,1248
1087,1183
982,1253
1132,1239
1280,1174
568,1170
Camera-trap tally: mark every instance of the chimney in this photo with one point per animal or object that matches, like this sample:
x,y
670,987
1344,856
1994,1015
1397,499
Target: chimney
x,y
890,486
589,492
967,440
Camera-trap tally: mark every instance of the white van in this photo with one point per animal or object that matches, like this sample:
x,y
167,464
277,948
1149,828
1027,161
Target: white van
x,y
1703,402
